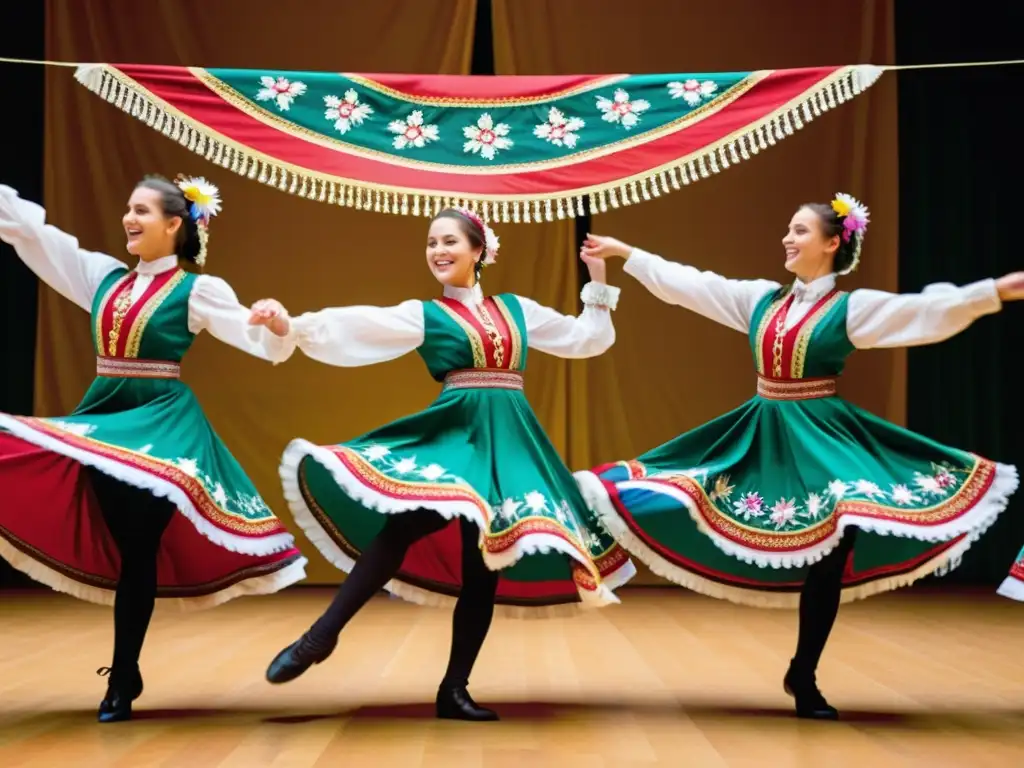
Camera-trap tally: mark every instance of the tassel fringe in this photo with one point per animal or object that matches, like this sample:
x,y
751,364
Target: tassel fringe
x,y
830,93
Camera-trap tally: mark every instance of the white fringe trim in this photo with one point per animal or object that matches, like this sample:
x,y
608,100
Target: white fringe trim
x,y
299,449
139,478
596,496
264,584
1013,588
832,91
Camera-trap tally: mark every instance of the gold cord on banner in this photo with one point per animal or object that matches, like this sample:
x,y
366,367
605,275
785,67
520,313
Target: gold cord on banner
x,y
886,67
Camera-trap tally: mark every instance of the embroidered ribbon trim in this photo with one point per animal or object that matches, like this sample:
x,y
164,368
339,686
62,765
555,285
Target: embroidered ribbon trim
x,y
483,378
132,368
795,389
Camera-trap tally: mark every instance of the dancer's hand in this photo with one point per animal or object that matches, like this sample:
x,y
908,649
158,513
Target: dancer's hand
x,y
596,267
1011,286
601,247
271,313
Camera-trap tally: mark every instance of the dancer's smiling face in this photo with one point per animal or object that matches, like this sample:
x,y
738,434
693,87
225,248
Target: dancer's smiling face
x,y
151,233
454,249
810,250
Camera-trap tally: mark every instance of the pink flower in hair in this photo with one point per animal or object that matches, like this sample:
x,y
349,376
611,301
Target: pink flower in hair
x,y
854,214
491,243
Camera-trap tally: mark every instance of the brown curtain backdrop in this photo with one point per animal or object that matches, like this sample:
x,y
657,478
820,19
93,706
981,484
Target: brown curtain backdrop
x,y
540,261
671,370
264,243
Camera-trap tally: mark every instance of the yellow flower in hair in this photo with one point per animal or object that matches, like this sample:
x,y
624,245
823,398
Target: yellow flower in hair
x,y
841,207
203,195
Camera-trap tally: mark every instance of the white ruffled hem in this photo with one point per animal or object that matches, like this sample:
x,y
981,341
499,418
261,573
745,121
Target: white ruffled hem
x,y
985,513
264,584
1013,588
299,449
139,478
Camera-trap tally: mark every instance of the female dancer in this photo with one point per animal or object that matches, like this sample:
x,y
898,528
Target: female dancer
x,y
89,500
784,483
478,454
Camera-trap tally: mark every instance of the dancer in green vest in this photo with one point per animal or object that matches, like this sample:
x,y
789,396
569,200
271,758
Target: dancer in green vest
x,y
764,503
133,496
378,506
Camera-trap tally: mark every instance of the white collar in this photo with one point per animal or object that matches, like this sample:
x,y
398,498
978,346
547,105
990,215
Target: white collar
x,y
158,266
815,289
467,296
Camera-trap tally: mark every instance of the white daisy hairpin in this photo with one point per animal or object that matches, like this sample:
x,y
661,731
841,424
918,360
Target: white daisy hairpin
x,y
204,203
491,243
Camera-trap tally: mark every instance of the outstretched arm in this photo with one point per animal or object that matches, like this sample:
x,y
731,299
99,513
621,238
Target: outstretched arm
x,y
53,255
881,319
343,336
729,302
214,307
588,335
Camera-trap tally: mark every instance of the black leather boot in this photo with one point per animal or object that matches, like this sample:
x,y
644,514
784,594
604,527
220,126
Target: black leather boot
x,y
297,658
122,689
810,704
455,703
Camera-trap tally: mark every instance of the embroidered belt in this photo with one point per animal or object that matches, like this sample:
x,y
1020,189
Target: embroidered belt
x,y
133,368
795,389
483,378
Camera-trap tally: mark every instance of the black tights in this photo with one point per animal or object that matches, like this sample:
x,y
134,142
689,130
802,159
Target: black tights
x,y
136,520
381,561
819,604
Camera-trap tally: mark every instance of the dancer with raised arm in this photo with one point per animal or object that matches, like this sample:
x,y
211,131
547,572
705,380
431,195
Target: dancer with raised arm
x,y
378,506
766,501
133,496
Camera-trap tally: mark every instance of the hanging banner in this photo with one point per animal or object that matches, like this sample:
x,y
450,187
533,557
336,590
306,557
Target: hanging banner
x,y
516,149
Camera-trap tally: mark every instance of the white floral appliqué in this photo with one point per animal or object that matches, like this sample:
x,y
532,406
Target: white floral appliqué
x,y
813,506
621,110
868,488
559,129
536,502
189,466
749,505
693,92
346,112
783,512
405,466
432,472
281,91
376,452
412,132
941,482
902,495
486,138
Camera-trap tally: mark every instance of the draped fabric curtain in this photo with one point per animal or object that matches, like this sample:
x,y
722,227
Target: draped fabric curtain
x,y
671,370
264,243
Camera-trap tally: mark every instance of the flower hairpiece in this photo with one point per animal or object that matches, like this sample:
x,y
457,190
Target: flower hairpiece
x,y
854,216
204,203
853,213
491,243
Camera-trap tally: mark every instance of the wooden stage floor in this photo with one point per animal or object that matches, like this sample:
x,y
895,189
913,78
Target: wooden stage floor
x,y
667,678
